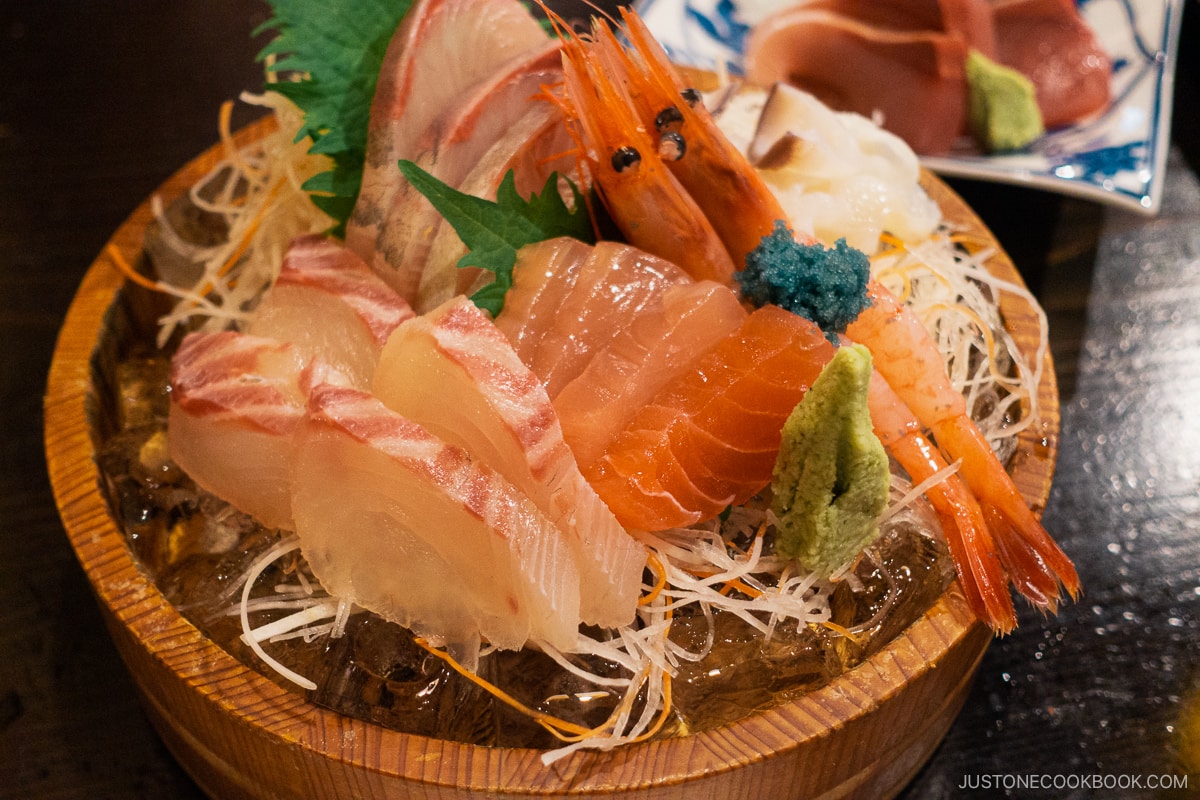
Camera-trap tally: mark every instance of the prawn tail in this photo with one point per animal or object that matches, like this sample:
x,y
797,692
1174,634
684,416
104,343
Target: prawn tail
x,y
1039,567
975,555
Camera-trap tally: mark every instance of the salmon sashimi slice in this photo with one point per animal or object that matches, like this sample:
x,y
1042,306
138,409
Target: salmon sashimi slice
x,y
569,300
439,52
660,343
710,437
418,531
235,401
327,302
454,371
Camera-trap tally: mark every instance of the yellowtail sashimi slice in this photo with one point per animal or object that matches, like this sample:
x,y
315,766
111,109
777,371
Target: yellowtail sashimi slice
x,y
559,320
414,529
235,401
659,344
454,371
329,304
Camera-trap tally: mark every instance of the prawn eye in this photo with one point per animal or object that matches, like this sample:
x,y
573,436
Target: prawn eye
x,y
626,158
669,119
672,147
691,97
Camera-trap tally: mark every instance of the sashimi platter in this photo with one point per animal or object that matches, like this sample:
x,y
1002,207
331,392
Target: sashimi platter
x,y
512,413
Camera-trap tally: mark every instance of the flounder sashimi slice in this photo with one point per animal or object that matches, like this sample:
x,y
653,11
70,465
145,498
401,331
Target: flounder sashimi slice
x,y
710,437
659,344
570,299
454,371
329,304
235,401
406,525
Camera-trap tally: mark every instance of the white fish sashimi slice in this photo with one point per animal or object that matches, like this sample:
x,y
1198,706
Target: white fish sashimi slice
x,y
482,115
453,370
667,338
441,50
533,148
235,401
406,525
329,304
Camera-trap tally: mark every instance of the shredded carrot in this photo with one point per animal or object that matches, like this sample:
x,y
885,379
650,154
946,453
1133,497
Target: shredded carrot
x,y
740,586
655,564
551,723
842,630
123,266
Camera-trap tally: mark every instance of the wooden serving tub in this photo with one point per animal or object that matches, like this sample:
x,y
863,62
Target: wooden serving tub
x,y
239,734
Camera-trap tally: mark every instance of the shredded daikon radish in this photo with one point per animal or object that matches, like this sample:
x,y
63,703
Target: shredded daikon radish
x,y
716,567
257,192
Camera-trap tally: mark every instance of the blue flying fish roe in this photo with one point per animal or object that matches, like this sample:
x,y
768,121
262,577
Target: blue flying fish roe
x,y
825,285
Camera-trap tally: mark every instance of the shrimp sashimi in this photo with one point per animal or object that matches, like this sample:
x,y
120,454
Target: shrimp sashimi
x,y
643,198
235,401
366,484
642,480
663,341
321,279
569,300
968,537
738,202
911,362
441,50
456,373
710,437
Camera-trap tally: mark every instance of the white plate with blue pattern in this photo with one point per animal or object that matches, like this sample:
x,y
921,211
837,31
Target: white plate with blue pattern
x,y
1118,157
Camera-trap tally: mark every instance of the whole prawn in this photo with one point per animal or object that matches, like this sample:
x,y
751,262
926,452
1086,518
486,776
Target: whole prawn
x,y
993,536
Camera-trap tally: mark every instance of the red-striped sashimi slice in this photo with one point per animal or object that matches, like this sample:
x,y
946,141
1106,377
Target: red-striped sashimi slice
x,y
533,148
416,530
235,401
659,344
329,304
572,317
454,371
711,436
484,114
440,51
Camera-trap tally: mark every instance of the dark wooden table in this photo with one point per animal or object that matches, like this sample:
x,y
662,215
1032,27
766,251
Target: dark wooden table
x,y
99,102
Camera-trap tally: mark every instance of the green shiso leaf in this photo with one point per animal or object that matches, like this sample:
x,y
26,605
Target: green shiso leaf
x,y
494,231
338,47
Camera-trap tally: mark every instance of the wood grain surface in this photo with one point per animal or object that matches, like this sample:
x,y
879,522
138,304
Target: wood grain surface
x,y
100,101
239,734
